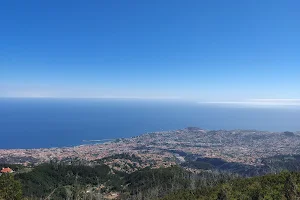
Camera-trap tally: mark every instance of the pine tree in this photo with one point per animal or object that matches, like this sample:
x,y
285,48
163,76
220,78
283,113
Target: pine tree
x,y
222,195
290,188
10,188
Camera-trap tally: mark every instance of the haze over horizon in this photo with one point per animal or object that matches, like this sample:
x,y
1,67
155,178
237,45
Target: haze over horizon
x,y
233,52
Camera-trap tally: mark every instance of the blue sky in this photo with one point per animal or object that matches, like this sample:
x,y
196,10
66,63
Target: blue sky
x,y
202,50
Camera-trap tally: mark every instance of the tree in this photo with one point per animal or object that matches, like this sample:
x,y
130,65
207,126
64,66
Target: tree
x,y
223,193
10,188
290,188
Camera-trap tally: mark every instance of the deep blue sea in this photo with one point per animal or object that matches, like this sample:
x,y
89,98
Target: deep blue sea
x,y
36,123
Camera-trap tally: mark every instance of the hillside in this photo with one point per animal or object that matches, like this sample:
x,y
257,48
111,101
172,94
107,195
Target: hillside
x,y
60,181
283,186
123,176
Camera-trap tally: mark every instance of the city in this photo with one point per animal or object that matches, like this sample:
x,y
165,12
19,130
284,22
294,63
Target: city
x,y
163,149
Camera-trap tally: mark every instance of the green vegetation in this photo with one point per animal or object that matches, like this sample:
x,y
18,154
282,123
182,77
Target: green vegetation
x,y
93,180
221,165
275,164
10,188
63,180
283,186
279,163
155,183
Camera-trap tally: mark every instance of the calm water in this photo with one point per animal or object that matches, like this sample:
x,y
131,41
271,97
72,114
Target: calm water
x,y
35,123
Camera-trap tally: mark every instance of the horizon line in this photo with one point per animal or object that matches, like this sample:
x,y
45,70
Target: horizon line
x,y
102,97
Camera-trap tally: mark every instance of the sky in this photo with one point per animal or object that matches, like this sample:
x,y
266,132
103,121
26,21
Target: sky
x,y
207,51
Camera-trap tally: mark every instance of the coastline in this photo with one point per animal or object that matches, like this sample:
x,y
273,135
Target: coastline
x,y
240,146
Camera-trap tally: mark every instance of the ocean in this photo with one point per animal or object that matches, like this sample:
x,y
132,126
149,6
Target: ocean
x,y
43,123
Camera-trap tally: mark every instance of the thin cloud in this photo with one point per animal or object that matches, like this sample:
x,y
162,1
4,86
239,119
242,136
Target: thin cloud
x,y
258,102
